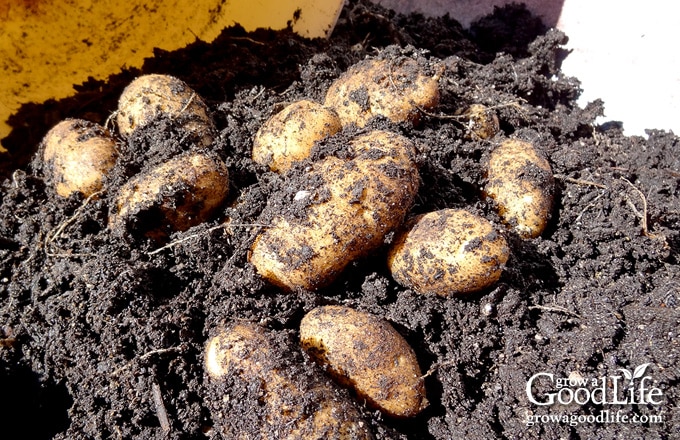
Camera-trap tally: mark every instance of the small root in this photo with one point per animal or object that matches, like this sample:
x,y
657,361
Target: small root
x,y
463,117
556,309
643,215
202,233
579,181
186,106
57,231
147,355
590,205
437,366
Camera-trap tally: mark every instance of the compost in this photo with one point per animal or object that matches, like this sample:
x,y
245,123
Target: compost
x,y
103,335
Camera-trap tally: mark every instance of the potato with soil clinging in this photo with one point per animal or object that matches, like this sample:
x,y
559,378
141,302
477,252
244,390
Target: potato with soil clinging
x,y
394,88
366,353
289,405
448,252
482,121
78,155
343,208
289,136
173,196
151,98
521,183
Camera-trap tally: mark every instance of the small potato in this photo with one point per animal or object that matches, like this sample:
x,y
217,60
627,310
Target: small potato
x,y
289,136
448,252
173,196
342,209
280,402
521,183
366,353
482,122
151,98
393,88
78,155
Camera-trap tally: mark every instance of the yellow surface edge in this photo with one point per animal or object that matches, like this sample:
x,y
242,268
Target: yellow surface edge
x,y
48,46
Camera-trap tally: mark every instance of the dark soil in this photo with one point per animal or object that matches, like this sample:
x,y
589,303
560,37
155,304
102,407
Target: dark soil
x,y
101,335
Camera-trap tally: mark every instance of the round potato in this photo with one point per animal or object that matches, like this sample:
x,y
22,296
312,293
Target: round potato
x,y
341,210
366,353
154,97
394,88
173,196
482,122
78,155
521,183
448,252
289,136
286,404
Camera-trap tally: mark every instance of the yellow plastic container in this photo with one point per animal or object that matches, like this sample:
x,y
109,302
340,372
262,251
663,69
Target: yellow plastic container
x,y
47,46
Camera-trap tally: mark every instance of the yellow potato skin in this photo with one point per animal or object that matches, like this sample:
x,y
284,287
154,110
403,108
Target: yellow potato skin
x,y
448,252
152,97
78,154
291,409
391,88
521,182
366,353
184,192
289,136
482,122
349,206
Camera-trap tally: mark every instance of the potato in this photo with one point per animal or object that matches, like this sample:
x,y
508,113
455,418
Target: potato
x,y
289,405
448,252
289,136
342,210
482,122
393,88
366,353
173,196
521,183
151,98
78,155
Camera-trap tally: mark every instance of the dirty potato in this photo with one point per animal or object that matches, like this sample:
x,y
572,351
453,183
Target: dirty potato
x,y
151,98
448,252
78,155
173,196
289,136
342,209
287,404
366,353
394,88
481,121
521,183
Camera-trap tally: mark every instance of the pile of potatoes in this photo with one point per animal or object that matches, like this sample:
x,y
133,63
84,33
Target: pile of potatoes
x,y
185,191
341,208
357,349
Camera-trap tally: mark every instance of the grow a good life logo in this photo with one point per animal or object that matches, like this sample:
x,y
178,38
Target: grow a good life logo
x,y
615,394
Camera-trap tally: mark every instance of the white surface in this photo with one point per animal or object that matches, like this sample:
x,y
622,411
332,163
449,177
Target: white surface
x,y
624,52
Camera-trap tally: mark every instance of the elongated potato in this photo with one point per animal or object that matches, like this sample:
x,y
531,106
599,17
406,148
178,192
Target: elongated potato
x,y
341,211
289,136
521,183
174,196
151,98
78,155
366,353
448,252
391,88
287,404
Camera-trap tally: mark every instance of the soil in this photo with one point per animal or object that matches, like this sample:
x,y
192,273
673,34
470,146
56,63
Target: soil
x,y
102,336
